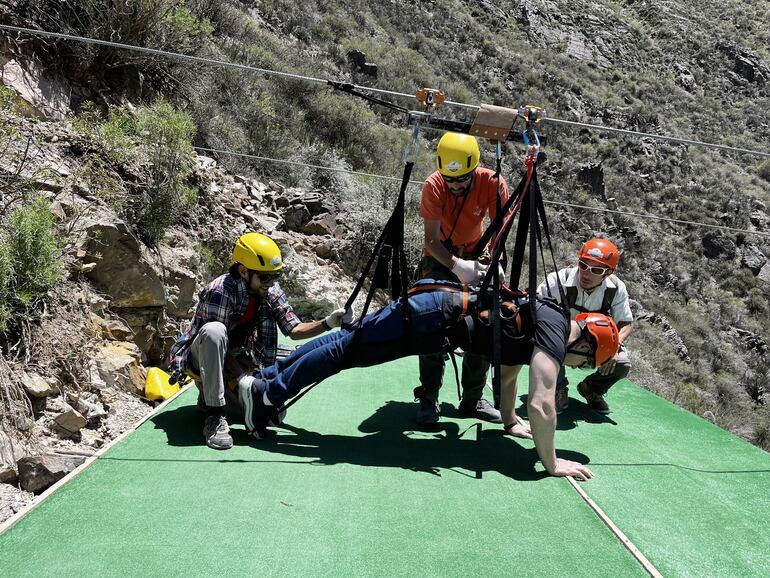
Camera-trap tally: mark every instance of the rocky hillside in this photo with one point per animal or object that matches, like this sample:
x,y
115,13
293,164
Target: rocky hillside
x,y
78,138
77,380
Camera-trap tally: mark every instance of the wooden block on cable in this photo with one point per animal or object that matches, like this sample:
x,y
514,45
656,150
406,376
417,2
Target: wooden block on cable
x,y
493,122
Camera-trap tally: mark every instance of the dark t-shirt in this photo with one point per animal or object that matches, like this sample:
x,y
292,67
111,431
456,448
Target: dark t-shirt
x,y
550,335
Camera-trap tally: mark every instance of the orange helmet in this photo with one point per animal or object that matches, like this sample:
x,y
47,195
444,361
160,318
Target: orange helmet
x,y
601,251
603,335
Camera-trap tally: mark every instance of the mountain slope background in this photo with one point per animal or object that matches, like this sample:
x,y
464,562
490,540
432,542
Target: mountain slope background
x,y
700,294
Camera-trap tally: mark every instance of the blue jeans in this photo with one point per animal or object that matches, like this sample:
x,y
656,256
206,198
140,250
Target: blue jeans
x,y
381,337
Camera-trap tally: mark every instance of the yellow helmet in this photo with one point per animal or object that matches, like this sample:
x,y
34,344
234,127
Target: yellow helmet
x,y
457,154
257,252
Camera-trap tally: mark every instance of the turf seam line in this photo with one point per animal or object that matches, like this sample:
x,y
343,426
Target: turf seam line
x,y
13,520
635,552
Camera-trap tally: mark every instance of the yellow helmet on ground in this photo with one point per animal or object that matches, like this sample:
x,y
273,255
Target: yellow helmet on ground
x,y
257,252
457,154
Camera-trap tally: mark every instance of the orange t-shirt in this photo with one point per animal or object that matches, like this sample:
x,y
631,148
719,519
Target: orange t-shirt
x,y
439,204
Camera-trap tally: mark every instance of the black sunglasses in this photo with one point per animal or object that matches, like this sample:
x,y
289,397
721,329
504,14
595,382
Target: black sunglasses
x,y
460,179
269,278
595,270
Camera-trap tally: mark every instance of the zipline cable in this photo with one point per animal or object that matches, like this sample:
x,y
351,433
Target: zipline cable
x,y
297,163
557,203
244,67
658,218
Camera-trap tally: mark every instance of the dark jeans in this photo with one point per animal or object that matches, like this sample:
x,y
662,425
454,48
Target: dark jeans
x,y
382,337
474,367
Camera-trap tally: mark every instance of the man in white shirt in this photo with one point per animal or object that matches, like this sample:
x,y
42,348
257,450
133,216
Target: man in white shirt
x,y
592,286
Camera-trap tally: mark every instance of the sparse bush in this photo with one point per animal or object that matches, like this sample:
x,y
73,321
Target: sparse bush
x,y
687,396
30,262
157,137
763,170
167,135
102,182
163,24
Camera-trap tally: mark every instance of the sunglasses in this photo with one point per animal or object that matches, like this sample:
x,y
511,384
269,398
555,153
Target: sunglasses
x,y
268,278
461,179
595,270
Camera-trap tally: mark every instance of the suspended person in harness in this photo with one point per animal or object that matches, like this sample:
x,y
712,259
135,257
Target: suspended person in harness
x,y
455,200
440,319
234,330
592,286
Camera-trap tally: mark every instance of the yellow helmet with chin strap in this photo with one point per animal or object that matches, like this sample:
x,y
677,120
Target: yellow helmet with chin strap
x,y
257,252
457,154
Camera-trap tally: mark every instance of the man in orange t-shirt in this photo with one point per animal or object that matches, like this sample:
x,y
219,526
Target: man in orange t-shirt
x,y
455,201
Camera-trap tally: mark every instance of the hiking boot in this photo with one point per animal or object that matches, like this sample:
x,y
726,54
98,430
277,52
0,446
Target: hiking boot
x,y
217,433
482,410
428,412
594,400
562,399
257,414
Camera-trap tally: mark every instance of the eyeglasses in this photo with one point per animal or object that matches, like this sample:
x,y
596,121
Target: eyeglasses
x,y
595,270
460,179
585,348
589,355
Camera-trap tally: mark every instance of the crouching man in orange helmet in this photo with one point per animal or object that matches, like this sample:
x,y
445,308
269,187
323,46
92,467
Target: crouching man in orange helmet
x,y
592,286
234,329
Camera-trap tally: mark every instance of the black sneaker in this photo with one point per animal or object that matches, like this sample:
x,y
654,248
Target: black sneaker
x,y
482,410
561,399
257,415
594,400
217,433
428,412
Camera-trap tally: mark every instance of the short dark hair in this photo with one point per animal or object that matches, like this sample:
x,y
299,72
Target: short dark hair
x,y
234,271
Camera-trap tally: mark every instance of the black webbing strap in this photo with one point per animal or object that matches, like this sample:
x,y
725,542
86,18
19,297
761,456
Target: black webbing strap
x,y
496,329
351,89
496,223
391,261
546,231
389,250
534,231
452,356
525,217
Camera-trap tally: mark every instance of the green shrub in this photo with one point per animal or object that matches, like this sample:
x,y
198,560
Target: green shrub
x,y
687,396
167,137
159,139
763,170
30,262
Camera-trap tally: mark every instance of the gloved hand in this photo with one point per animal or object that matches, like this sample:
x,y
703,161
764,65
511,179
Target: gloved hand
x,y
338,317
468,272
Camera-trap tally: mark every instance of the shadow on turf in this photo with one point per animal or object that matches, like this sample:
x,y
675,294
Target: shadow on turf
x,y
390,440
577,411
467,448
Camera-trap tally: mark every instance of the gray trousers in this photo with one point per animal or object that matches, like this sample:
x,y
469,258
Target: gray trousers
x,y
602,383
208,354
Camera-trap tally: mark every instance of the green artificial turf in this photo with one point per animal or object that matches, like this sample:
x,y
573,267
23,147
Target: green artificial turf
x,y
350,487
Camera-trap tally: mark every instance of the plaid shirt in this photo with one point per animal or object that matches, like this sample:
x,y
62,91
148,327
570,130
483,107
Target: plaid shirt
x,y
225,299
